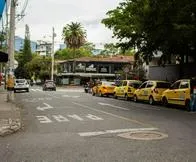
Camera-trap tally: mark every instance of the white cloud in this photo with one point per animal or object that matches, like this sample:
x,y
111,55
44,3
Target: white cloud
x,y
42,15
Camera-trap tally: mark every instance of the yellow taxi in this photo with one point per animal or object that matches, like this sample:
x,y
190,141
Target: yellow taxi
x,y
103,88
151,91
179,93
126,89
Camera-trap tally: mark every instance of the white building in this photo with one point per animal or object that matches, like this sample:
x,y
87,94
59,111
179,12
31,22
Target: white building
x,y
44,48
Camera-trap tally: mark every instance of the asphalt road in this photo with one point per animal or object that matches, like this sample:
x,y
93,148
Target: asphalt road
x,y
71,126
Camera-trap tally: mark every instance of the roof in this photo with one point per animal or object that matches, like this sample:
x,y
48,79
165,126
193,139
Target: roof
x,y
118,58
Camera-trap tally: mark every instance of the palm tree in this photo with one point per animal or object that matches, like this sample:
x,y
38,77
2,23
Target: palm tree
x,y
74,35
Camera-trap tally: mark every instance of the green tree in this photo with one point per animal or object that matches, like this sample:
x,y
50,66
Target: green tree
x,y
24,57
39,67
152,25
74,35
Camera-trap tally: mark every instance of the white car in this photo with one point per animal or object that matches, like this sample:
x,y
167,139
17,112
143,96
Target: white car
x,y
21,84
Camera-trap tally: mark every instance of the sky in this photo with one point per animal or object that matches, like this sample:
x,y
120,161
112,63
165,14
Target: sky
x,y
42,15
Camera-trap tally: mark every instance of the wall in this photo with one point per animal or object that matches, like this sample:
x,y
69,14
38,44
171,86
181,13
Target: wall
x,y
172,72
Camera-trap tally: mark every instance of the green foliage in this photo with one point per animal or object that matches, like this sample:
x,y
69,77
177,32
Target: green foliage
x,y
2,40
68,53
74,35
153,25
39,67
24,57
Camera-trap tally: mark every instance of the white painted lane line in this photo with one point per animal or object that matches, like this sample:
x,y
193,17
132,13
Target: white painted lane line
x,y
60,118
74,116
53,96
118,107
93,117
44,119
88,134
117,116
47,106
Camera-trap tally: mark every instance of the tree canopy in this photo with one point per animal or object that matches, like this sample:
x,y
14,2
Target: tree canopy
x,y
150,26
74,35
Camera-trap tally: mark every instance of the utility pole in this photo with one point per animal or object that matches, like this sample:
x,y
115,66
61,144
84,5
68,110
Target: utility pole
x,y
10,84
52,54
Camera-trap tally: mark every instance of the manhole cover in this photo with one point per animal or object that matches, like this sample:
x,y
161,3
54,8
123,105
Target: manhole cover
x,y
144,135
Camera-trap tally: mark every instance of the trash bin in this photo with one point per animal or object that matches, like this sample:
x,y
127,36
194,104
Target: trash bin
x,y
193,99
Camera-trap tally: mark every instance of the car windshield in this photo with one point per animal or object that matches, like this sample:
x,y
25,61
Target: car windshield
x,y
163,85
20,81
134,84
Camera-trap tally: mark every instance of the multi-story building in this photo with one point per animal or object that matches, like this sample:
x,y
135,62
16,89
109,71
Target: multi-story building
x,y
44,48
82,70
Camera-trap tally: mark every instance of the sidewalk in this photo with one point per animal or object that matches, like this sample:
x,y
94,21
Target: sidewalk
x,y
10,119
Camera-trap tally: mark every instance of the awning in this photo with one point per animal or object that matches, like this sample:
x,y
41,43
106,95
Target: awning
x,y
2,5
87,74
3,57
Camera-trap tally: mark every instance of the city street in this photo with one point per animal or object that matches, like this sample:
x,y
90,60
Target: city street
x,y
69,125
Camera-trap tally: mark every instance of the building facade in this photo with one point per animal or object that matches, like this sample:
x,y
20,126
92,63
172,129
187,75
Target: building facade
x,y
44,48
19,44
79,71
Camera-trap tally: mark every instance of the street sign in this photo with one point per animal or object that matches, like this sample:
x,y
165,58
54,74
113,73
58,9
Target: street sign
x,y
126,69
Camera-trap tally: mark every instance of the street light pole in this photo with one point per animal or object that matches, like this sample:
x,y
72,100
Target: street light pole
x,y
52,55
10,86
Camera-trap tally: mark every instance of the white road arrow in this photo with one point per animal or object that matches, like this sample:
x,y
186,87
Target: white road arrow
x,y
106,104
44,108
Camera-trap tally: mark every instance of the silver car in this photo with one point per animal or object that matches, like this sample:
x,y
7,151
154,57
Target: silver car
x,y
21,84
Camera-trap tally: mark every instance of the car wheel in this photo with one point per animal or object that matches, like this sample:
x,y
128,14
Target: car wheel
x,y
187,105
164,101
126,97
14,91
93,94
135,98
115,96
27,90
151,100
100,94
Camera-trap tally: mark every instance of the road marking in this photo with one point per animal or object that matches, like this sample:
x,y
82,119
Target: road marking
x,y
88,134
70,96
36,99
71,90
47,106
93,117
74,116
36,90
117,116
44,119
53,96
60,118
118,107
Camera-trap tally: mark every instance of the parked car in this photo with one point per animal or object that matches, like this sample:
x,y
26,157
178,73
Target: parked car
x,y
126,89
179,93
21,84
151,91
49,85
103,88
